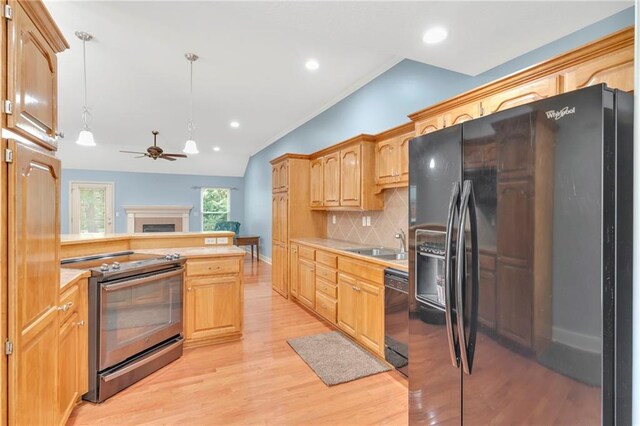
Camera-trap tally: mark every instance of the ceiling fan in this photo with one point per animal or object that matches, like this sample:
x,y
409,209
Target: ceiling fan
x,y
155,151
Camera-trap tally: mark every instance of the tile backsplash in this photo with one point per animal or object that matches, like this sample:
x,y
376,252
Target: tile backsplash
x,y
384,224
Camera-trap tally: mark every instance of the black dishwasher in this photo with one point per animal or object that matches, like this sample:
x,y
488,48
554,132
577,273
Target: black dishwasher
x,y
396,319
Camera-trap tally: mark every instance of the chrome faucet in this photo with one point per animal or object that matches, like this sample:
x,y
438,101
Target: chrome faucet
x,y
402,237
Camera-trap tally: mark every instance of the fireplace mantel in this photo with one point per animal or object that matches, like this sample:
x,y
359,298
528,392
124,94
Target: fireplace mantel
x,y
138,212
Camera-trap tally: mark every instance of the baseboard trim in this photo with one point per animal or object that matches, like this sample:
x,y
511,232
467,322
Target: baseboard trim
x,y
263,258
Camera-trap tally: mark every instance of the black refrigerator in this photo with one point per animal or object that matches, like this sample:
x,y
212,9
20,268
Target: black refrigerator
x,y
520,265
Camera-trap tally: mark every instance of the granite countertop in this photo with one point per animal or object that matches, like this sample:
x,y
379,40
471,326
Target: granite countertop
x,y
70,276
339,247
194,252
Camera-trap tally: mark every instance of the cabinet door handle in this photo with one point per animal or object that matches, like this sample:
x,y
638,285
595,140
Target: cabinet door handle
x,y
323,306
188,288
65,307
80,323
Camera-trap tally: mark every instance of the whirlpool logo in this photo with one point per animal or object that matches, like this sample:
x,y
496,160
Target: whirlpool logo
x,y
557,115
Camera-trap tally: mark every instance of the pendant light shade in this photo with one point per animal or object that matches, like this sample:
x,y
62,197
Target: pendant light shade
x,y
85,138
190,146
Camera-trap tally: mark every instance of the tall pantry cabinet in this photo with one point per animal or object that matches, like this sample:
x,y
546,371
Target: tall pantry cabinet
x,y
29,212
291,214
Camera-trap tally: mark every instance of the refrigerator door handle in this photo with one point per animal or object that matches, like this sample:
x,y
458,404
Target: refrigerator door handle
x,y
467,343
453,343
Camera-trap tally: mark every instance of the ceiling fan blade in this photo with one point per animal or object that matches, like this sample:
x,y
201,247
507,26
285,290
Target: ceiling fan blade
x,y
141,156
164,157
132,152
176,155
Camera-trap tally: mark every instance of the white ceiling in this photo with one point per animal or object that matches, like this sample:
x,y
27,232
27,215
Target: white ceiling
x,y
252,66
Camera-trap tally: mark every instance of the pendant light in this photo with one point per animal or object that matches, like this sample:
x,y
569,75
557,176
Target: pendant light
x,y
85,138
190,146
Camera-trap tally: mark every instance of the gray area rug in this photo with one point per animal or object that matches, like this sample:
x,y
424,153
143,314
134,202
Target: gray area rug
x,y
335,359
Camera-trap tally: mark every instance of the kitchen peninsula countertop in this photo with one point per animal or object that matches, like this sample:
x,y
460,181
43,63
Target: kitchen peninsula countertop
x,y
73,238
340,247
70,276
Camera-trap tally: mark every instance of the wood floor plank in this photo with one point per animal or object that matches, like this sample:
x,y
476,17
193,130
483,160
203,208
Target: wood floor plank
x,y
259,380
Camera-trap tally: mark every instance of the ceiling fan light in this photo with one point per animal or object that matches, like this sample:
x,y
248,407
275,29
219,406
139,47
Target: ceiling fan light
x,y
85,138
190,147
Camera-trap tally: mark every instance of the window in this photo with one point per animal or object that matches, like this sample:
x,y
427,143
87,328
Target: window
x,y
215,207
91,208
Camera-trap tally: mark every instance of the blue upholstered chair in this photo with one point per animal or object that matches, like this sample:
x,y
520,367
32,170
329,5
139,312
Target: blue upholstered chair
x,y
228,226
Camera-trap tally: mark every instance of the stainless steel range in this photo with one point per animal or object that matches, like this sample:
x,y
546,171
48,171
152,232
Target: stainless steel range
x,y
135,317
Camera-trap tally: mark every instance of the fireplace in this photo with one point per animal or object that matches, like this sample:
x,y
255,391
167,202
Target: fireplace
x,y
157,218
158,227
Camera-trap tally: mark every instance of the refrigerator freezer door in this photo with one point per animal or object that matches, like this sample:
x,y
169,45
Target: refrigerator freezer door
x,y
434,382
537,173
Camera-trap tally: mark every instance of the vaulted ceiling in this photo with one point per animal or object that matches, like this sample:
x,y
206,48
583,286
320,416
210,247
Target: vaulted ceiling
x,y
252,66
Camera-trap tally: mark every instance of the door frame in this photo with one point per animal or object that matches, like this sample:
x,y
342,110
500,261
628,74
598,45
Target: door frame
x,y
110,198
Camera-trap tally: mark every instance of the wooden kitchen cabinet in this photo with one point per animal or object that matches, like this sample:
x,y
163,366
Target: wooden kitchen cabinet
x,y
350,179
332,178
316,180
461,114
306,282
348,306
386,153
292,216
349,176
613,68
293,271
33,285
361,311
392,156
32,72
213,302
275,179
520,95
73,341
429,124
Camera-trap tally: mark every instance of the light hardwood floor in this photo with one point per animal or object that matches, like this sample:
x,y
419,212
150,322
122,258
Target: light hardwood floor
x,y
259,380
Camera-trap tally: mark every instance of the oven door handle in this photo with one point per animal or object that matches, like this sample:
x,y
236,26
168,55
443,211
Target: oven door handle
x,y
138,281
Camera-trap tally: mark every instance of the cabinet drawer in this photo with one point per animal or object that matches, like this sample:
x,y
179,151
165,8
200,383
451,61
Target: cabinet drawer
x,y
328,274
329,259
326,307
307,253
327,288
211,267
366,270
69,303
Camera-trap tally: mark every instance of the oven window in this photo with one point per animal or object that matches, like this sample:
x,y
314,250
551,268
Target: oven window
x,y
139,313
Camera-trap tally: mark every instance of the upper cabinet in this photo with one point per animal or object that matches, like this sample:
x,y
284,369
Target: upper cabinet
x,y
316,178
331,164
614,68
461,114
33,41
344,174
280,176
392,156
522,94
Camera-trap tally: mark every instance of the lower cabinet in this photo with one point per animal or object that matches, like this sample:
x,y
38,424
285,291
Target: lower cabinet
x,y
279,272
307,282
361,311
345,291
73,341
213,300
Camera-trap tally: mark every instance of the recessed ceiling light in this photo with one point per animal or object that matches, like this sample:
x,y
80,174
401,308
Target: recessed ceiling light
x,y
234,124
216,148
312,65
434,35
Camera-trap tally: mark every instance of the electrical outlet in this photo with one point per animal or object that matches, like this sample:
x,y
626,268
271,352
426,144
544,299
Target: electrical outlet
x,y
364,221
209,241
368,220
333,219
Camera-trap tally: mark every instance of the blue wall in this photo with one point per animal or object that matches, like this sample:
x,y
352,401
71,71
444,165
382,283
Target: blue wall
x,y
385,102
154,188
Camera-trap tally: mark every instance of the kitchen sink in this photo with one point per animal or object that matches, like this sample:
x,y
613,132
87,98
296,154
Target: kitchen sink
x,y
395,256
375,252
379,253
